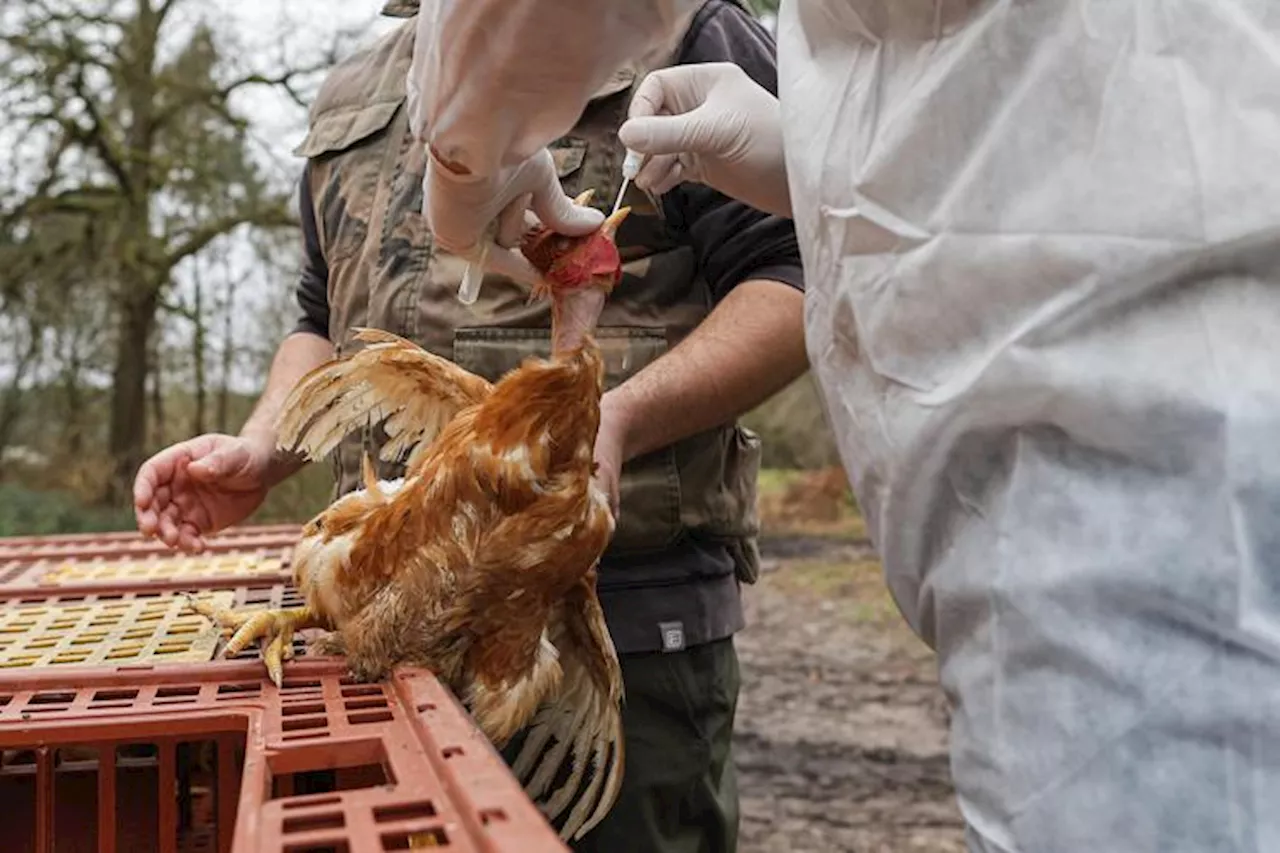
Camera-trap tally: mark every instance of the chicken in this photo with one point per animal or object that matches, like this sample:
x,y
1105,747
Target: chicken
x,y
480,563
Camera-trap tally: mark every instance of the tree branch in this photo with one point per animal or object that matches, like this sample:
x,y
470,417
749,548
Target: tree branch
x,y
91,201
199,238
98,137
216,97
163,12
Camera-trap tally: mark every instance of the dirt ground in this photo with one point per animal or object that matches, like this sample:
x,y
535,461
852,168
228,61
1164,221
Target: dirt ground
x,y
841,732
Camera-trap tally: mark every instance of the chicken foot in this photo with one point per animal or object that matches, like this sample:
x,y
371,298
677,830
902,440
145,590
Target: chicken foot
x,y
276,627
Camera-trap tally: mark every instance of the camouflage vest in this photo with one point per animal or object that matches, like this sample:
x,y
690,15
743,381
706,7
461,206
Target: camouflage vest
x,y
384,271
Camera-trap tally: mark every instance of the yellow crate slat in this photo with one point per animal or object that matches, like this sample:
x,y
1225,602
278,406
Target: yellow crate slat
x,y
152,630
71,572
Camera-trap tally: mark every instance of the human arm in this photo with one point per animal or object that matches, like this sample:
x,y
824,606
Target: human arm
x,y
197,487
306,348
298,355
200,486
711,124
495,81
752,343
750,347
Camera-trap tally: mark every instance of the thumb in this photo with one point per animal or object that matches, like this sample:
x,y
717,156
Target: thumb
x,y
555,209
693,132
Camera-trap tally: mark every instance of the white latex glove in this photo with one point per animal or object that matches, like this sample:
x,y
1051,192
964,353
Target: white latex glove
x,y
712,124
492,82
462,211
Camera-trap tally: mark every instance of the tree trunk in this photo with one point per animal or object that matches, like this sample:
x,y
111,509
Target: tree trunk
x,y
197,355
228,329
141,284
73,420
129,391
12,399
157,391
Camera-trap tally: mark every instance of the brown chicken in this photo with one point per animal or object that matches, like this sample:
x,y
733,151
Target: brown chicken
x,y
479,564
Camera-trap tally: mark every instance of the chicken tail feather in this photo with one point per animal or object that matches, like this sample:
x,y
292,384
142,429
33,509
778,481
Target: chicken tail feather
x,y
572,757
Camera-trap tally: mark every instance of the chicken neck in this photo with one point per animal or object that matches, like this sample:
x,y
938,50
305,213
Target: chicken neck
x,y
574,316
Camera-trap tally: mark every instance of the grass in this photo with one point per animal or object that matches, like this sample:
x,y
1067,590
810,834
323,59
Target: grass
x,y
32,512
856,588
819,503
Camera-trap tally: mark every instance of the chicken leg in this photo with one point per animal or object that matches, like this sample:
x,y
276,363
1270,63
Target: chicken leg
x,y
277,627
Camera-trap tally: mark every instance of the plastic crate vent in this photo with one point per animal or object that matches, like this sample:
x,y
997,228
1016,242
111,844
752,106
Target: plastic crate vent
x,y
124,631
25,561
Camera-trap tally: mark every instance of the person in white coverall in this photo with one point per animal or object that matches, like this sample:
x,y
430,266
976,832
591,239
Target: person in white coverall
x,y
1042,243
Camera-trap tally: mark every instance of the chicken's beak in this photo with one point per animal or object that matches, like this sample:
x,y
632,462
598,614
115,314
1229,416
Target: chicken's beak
x,y
611,225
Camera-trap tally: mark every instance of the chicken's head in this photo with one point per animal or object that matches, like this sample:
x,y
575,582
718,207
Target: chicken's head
x,y
578,274
570,264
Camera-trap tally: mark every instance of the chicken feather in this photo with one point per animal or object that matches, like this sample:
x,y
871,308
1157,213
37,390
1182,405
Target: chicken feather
x,y
392,381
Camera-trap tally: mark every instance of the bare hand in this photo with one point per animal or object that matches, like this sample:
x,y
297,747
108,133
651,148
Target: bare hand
x,y
199,487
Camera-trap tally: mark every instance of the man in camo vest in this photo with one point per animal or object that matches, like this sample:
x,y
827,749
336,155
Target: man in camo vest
x,y
705,325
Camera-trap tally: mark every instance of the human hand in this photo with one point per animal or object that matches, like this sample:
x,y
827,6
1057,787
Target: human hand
x,y
200,486
463,212
712,124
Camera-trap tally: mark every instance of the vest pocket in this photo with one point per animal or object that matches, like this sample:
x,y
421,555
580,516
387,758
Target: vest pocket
x,y
649,517
347,174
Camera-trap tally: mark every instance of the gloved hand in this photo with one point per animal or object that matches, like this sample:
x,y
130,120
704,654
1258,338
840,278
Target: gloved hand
x,y
463,210
712,124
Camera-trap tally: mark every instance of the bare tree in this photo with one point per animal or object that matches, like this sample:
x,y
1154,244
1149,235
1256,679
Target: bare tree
x,y
139,137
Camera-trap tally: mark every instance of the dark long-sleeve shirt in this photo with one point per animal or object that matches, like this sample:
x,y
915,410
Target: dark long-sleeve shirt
x,y
692,585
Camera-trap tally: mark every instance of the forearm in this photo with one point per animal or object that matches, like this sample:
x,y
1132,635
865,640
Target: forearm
x,y
749,348
539,63
298,355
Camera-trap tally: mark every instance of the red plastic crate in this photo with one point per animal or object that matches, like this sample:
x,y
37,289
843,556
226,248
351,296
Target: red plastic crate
x,y
127,561
324,763
19,551
166,570
134,535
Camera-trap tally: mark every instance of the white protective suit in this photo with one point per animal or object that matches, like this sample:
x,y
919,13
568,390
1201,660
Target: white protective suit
x,y
1042,241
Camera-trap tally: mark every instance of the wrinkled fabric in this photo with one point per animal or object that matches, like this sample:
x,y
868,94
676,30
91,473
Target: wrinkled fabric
x,y
1042,246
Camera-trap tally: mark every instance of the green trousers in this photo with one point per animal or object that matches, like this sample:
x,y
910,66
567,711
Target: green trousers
x,y
679,791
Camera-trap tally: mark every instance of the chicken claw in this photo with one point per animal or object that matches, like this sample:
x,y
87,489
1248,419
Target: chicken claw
x,y
276,627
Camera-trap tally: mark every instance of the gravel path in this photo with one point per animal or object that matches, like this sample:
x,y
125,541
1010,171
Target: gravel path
x,y
841,735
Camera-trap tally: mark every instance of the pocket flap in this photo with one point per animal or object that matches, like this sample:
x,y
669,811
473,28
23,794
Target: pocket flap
x,y
340,128
494,352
